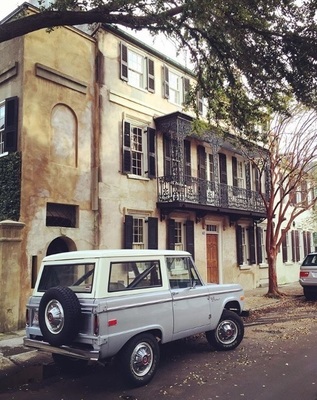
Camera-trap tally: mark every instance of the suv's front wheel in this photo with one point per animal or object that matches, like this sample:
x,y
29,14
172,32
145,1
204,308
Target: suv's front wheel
x,y
139,358
228,333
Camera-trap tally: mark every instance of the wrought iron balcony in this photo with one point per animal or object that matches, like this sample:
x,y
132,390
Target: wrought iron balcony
x,y
206,193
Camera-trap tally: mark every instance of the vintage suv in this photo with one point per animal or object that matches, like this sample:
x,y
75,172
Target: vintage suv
x,y
93,305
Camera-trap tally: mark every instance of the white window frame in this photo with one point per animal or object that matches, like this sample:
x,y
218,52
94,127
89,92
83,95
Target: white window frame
x,y
138,150
138,232
136,69
240,174
175,87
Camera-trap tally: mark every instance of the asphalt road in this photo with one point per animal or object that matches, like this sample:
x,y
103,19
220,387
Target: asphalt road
x,y
276,360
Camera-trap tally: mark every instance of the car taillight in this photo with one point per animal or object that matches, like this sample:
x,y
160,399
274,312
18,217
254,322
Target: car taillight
x,y
304,274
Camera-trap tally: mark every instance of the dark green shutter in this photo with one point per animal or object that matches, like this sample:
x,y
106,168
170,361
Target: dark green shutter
x,y
251,245
166,83
151,153
284,247
128,232
239,245
126,141
11,124
259,245
150,75
124,62
171,234
152,233
190,238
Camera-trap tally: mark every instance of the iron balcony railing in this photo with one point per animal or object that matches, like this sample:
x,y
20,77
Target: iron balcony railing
x,y
199,191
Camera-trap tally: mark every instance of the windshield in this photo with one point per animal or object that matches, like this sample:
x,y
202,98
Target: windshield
x,y
78,277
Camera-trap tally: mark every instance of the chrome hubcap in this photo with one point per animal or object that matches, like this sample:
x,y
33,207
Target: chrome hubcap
x,y
227,331
142,359
54,316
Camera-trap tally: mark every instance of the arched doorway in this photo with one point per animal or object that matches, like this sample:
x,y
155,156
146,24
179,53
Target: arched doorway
x,y
60,245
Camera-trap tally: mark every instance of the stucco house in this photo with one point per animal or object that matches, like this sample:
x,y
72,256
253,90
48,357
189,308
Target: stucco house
x,y
101,154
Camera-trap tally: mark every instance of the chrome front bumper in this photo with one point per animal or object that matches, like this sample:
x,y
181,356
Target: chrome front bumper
x,y
92,355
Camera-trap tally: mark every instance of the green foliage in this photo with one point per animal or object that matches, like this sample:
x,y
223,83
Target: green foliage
x,y
248,56
10,184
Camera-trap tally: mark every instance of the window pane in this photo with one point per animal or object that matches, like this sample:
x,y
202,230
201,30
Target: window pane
x,y
78,277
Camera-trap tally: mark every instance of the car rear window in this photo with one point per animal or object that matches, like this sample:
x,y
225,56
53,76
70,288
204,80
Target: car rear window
x,y
78,277
310,260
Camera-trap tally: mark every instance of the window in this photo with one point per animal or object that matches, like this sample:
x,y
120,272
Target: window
x,y
78,277
245,236
139,231
175,86
134,275
8,125
181,235
139,150
61,215
181,272
136,69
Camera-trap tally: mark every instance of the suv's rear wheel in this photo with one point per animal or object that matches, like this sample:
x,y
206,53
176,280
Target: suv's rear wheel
x,y
229,332
59,315
139,359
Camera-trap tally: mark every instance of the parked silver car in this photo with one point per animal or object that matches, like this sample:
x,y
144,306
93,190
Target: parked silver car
x,y
308,276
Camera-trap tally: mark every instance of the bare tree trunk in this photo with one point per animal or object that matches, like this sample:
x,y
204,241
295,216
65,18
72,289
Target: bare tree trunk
x,y
273,286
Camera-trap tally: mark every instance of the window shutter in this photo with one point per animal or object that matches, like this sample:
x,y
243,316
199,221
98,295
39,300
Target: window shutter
x,y
152,233
234,171
167,157
305,242
190,243
284,247
128,232
259,245
200,102
166,88
124,62
151,152
186,84
201,156
251,245
11,124
308,242
150,75
239,245
293,246
171,234
126,148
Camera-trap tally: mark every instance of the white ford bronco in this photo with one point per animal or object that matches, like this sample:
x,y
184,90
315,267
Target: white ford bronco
x,y
93,305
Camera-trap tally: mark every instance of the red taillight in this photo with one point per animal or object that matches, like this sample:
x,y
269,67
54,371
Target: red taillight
x,y
304,274
96,325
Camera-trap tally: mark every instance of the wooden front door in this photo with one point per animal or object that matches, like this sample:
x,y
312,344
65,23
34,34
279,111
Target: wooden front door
x,y
212,259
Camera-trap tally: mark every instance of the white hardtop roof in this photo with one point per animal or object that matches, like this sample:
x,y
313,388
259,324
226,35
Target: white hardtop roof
x,y
85,254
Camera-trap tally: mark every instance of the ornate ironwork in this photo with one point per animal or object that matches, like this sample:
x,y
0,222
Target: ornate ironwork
x,y
214,194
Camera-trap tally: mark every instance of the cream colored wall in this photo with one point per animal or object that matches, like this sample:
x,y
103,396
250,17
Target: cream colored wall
x,y
119,194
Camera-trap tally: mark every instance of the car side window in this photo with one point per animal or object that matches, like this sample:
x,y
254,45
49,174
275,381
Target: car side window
x,y
181,272
134,275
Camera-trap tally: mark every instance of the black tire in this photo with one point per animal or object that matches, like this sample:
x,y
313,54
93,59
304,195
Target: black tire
x,y
310,293
59,315
229,332
69,364
138,360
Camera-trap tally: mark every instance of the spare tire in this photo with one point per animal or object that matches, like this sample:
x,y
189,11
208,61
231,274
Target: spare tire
x,y
59,315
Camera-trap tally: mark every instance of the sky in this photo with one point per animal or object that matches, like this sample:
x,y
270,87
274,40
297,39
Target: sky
x,y
6,6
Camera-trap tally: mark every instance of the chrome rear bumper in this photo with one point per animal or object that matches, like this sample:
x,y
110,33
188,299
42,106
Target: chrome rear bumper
x,y
92,355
